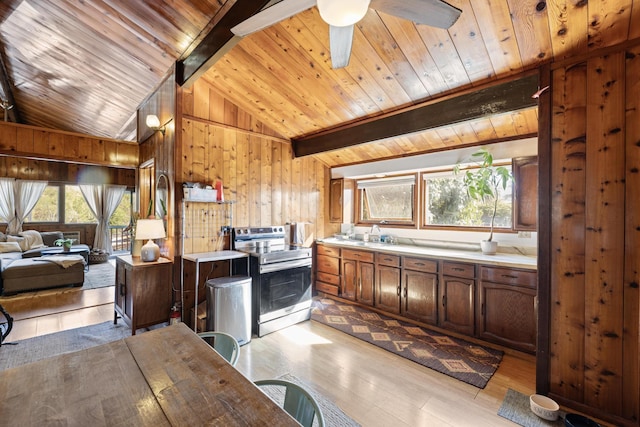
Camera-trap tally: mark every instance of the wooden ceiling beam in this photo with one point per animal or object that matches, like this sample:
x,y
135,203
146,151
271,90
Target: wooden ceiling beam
x,y
217,42
503,97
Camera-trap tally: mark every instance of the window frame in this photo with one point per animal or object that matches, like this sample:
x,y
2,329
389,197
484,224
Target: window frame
x,y
358,200
450,171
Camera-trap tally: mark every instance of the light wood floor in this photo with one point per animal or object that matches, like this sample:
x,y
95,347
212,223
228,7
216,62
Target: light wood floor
x,y
373,386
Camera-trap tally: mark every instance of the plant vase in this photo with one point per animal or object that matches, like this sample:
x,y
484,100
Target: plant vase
x,y
66,247
489,247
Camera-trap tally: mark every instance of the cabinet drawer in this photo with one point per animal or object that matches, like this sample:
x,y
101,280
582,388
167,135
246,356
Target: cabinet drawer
x,y
509,276
328,250
327,288
328,278
420,264
357,255
328,264
386,259
458,269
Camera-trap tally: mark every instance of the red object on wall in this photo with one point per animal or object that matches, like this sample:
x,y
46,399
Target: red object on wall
x,y
219,196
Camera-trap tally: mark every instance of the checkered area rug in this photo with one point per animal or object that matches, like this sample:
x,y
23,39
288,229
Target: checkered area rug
x,y
455,357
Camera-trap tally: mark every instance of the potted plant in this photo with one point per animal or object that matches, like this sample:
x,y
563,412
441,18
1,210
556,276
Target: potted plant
x,y
483,184
65,243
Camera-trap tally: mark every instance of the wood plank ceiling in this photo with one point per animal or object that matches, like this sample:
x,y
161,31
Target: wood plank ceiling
x,y
86,66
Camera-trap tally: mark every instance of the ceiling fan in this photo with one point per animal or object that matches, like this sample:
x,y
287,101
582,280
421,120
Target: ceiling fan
x,y
342,15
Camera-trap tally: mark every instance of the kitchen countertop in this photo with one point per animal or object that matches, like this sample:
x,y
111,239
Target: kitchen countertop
x,y
499,259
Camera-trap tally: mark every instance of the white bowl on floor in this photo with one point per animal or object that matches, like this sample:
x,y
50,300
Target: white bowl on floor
x,y
544,407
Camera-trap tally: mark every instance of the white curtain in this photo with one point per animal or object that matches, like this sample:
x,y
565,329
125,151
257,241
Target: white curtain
x,y
103,201
27,194
7,200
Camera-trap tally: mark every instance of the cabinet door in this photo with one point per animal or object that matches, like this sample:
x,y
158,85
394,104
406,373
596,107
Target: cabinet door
x,y
457,301
366,283
349,279
152,294
525,194
420,296
335,200
388,288
507,315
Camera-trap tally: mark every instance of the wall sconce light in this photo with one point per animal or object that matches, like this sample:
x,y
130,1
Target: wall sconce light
x,y
153,123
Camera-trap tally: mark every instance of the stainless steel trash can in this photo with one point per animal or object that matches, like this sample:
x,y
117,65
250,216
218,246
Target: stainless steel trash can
x,y
229,306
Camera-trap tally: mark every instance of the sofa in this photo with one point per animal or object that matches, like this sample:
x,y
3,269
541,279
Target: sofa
x,y
24,266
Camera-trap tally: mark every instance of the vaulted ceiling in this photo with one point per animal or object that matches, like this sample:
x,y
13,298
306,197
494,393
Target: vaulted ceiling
x,y
86,66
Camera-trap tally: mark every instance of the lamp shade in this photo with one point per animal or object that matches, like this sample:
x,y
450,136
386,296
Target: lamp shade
x,y
150,229
340,13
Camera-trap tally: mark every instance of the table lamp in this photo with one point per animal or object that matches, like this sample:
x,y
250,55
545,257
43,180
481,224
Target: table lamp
x,y
150,229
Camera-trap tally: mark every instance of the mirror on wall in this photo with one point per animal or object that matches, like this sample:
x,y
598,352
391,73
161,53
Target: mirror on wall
x,y
162,196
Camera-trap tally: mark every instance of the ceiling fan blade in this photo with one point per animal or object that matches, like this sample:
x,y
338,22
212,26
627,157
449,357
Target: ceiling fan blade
x,y
435,13
340,40
271,15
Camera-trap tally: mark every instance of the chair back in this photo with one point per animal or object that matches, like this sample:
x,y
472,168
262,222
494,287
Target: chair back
x,y
298,402
226,345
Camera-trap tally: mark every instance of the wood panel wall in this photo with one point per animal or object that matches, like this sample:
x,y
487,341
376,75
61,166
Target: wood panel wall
x,y
595,235
219,141
159,147
47,144
25,168
216,140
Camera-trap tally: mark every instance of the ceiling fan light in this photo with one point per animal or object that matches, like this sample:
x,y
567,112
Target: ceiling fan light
x,y
341,13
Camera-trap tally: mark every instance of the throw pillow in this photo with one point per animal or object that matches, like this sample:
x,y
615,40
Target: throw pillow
x,y
6,247
20,240
33,238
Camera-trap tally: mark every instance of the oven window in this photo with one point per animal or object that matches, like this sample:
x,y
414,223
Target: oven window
x,y
285,288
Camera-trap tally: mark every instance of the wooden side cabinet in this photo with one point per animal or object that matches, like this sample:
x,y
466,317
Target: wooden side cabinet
x,y
142,292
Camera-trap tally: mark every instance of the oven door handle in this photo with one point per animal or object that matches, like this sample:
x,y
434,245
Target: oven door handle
x,y
285,265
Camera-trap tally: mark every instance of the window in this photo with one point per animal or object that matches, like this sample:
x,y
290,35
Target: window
x,y
387,200
76,209
446,204
47,208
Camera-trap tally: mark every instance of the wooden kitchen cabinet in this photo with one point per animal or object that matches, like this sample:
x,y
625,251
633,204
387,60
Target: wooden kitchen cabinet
x,y
457,297
358,276
336,188
328,270
507,307
142,292
525,194
388,278
420,289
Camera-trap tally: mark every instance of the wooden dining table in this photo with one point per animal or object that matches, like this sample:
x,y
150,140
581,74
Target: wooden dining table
x,y
165,377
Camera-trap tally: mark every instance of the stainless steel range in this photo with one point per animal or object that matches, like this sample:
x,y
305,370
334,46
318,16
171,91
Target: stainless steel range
x,y
280,276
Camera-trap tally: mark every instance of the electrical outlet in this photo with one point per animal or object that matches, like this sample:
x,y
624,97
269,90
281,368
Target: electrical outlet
x,y
524,234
